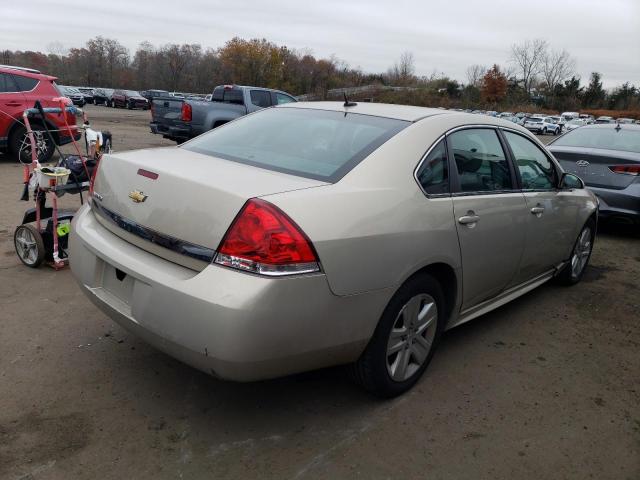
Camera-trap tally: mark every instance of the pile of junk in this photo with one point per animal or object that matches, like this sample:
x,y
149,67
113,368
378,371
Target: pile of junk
x,y
44,232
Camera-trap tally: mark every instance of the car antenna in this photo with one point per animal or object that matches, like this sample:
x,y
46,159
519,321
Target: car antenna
x,y
618,127
347,103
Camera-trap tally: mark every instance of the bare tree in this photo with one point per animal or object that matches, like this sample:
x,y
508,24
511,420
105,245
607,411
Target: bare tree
x,y
475,74
528,57
557,66
403,71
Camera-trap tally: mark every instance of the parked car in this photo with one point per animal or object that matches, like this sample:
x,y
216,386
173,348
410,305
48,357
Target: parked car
x,y
182,119
88,94
542,125
558,121
151,94
128,99
19,90
589,119
607,158
624,120
320,234
575,123
73,94
605,119
101,97
568,116
109,94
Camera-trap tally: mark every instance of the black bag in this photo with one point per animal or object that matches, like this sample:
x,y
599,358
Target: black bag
x,y
78,171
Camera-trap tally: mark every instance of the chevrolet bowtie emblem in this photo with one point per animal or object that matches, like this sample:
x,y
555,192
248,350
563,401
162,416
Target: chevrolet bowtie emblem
x,y
137,196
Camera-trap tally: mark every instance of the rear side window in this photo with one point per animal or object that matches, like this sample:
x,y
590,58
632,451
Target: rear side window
x,y
433,174
480,160
7,85
228,95
318,144
25,84
536,170
260,98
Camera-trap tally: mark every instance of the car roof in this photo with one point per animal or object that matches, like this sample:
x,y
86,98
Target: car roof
x,y
624,126
26,72
408,113
399,112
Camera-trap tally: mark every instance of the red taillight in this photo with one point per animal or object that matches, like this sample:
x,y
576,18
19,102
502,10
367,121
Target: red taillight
x,y
185,113
626,169
263,239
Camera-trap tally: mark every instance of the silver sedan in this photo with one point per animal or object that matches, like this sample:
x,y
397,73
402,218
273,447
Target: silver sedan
x,y
318,234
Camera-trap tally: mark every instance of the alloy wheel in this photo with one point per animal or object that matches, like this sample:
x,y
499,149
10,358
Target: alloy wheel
x,y
411,337
581,252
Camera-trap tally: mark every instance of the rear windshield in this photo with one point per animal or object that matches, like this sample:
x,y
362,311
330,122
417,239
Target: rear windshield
x,y
228,95
319,144
624,139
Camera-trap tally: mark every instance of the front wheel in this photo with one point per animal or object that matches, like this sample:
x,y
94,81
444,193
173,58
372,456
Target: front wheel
x,y
404,340
574,270
20,144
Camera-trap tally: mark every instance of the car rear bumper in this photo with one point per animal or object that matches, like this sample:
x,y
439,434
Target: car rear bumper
x,y
619,203
230,324
172,132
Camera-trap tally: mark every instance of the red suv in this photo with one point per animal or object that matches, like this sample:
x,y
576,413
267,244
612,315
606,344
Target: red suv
x,y
19,90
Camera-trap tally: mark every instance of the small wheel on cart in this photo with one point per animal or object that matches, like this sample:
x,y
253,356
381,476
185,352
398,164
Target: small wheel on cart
x,y
29,245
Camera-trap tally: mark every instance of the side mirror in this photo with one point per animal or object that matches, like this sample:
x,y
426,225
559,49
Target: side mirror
x,y
571,181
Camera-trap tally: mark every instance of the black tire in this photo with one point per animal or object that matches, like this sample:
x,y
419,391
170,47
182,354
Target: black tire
x,y
32,255
544,131
20,145
567,275
372,370
129,105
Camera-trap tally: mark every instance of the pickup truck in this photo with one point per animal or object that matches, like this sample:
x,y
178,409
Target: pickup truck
x,y
180,119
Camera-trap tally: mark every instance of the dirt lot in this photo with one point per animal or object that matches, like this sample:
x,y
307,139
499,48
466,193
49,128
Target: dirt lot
x,y
547,387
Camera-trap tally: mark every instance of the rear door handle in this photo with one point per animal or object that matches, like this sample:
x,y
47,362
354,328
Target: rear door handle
x,y
538,210
469,219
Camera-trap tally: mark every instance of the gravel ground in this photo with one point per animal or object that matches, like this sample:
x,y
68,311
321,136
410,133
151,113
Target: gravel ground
x,y
545,387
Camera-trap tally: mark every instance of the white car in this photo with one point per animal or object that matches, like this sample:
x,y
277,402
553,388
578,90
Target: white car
x,y
542,126
575,123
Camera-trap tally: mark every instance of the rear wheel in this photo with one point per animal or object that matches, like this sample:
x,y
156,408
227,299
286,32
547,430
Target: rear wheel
x,y
574,270
404,340
29,245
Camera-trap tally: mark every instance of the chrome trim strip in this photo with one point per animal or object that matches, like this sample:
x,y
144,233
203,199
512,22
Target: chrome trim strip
x,y
502,298
171,243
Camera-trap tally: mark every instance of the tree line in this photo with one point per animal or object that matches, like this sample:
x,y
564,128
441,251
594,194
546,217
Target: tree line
x,y
534,74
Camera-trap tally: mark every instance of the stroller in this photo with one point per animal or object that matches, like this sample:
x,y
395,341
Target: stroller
x,y
44,231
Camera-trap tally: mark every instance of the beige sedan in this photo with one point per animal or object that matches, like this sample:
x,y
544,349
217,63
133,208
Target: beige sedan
x,y
318,234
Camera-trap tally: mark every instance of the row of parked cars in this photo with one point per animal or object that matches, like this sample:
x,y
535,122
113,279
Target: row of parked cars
x,y
120,98
108,97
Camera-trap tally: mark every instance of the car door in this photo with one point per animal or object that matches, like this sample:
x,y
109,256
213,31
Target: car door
x,y
488,213
551,213
12,104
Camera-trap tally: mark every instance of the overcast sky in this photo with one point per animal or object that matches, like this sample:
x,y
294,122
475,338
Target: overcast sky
x,y
444,36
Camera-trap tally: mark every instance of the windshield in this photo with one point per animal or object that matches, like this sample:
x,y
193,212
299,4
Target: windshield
x,y
131,93
575,122
534,120
626,140
318,144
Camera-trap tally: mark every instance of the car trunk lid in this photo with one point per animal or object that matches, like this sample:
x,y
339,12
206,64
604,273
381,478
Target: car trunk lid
x,y
592,165
178,204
